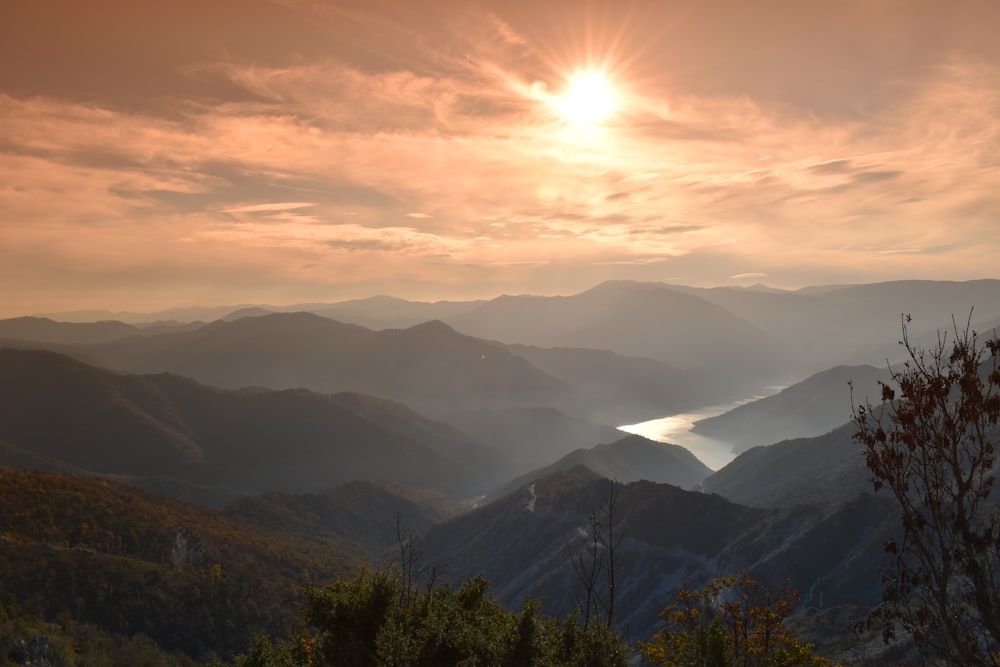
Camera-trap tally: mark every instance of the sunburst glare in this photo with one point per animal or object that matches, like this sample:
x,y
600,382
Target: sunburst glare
x,y
588,99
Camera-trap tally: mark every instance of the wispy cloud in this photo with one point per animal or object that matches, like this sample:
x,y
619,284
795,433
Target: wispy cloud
x,y
434,142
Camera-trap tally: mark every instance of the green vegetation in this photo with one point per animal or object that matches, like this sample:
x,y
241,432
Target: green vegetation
x,y
83,552
374,619
115,576
25,640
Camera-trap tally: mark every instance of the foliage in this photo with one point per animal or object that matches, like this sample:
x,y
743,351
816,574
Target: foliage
x,y
25,640
933,444
373,619
733,621
86,552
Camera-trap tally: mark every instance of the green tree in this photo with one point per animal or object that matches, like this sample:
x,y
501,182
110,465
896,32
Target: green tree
x,y
371,620
731,622
932,442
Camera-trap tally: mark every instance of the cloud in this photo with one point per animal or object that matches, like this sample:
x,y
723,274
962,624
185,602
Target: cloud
x,y
727,146
832,167
273,207
876,176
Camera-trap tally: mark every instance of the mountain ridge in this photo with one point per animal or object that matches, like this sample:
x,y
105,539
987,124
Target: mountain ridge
x,y
250,440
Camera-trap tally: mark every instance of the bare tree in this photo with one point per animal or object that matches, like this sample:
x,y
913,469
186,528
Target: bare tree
x,y
597,559
588,563
411,571
933,443
612,540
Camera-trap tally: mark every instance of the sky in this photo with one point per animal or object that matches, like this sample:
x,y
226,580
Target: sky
x,y
159,154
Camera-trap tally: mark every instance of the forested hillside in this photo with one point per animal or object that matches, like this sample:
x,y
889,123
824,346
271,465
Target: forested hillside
x,y
80,550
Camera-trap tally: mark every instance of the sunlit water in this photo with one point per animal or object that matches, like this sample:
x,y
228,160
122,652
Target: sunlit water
x,y
676,429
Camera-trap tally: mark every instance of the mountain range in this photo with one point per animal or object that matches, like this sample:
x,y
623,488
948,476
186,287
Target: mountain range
x,y
733,342
629,459
430,367
825,468
811,407
526,541
485,426
226,442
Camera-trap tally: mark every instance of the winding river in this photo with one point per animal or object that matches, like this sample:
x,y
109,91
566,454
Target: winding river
x,y
676,430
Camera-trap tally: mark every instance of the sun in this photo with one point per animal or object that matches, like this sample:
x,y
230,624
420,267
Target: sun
x,y
588,99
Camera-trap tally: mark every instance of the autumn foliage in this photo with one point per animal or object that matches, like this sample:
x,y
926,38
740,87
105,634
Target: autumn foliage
x,y
731,622
932,442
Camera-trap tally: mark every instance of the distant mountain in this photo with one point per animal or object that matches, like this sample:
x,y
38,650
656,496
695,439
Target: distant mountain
x,y
165,426
799,332
825,468
430,367
385,312
44,330
854,324
629,459
808,408
648,320
624,389
531,437
196,581
376,312
523,544
249,311
181,314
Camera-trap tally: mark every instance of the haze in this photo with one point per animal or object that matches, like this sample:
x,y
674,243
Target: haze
x,y
182,153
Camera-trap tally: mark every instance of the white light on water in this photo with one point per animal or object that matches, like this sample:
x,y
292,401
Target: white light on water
x,y
676,430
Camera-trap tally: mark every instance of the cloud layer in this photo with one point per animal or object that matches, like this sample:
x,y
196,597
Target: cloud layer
x,y
293,151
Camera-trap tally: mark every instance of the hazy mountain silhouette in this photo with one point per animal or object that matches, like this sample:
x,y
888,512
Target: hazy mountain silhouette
x,y
635,319
629,459
44,330
812,407
249,311
854,324
250,441
430,366
630,389
531,437
815,327
384,312
825,468
748,338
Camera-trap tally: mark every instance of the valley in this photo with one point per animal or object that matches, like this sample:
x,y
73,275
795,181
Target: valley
x,y
679,429
485,438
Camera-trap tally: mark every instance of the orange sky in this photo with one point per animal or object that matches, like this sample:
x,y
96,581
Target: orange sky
x,y
155,154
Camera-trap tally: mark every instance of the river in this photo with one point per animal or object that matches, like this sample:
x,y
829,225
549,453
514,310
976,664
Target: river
x,y
676,429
